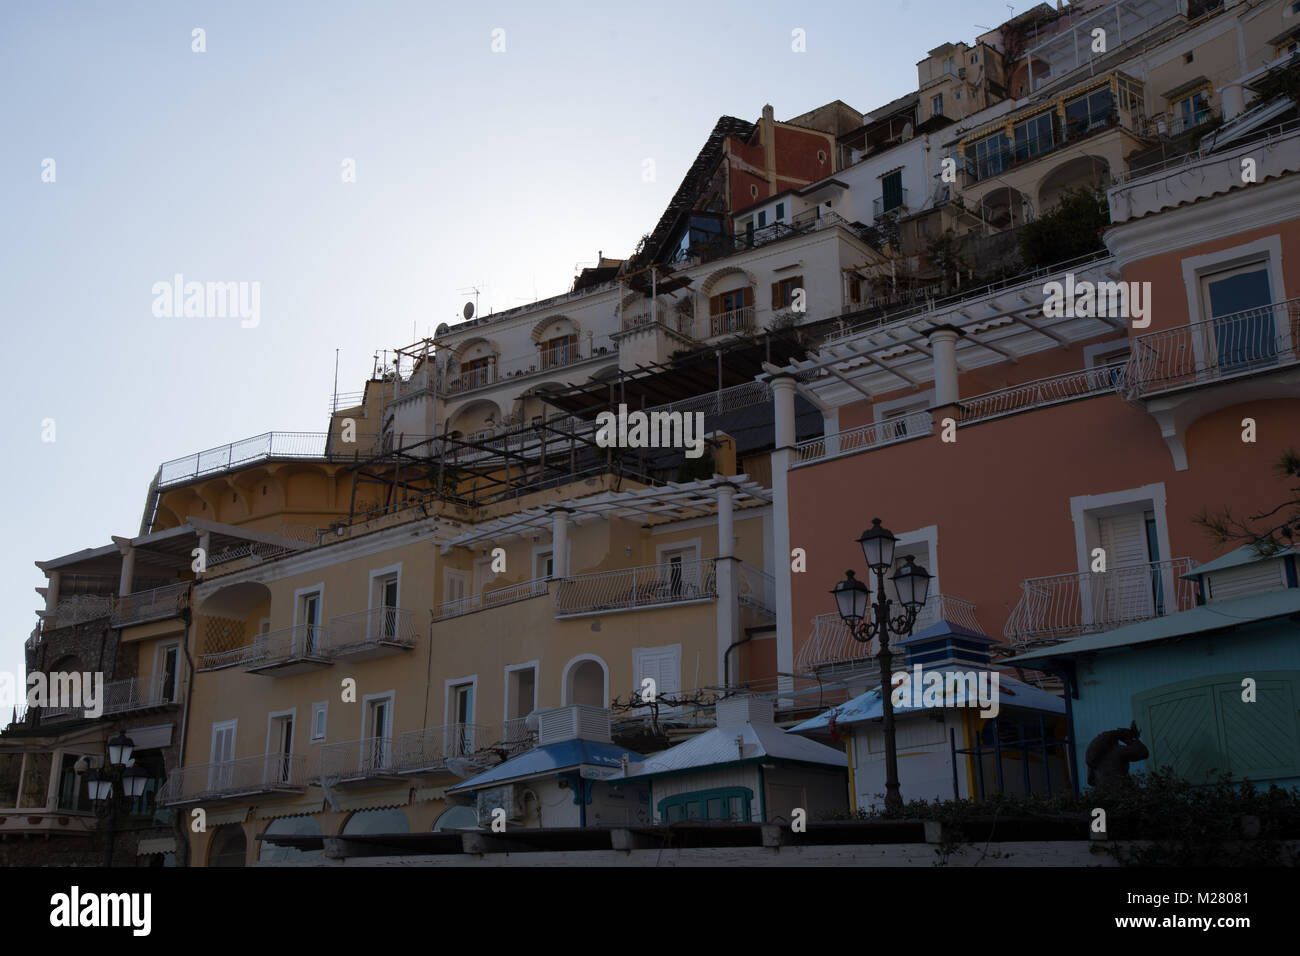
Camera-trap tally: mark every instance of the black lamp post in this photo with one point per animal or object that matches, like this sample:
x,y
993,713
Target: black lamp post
x,y
113,787
852,597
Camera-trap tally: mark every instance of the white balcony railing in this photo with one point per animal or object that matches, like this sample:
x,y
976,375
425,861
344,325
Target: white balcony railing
x,y
874,435
1214,349
516,736
1043,392
1062,606
137,693
647,586
261,774
153,605
296,643
358,759
831,643
432,747
494,597
80,608
733,320
365,630
757,588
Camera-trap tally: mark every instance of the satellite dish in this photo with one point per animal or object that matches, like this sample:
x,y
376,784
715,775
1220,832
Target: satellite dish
x,y
468,311
907,132
442,329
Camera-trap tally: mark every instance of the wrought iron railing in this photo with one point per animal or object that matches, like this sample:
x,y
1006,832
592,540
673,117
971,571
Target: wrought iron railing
x,y
432,747
646,586
1228,346
152,605
757,588
137,693
831,643
516,735
351,633
260,774
879,207
494,597
79,608
1061,606
1042,392
887,431
732,320
354,759
299,642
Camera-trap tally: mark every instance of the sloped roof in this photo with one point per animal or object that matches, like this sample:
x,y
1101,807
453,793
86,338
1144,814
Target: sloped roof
x,y
547,760
1246,554
1221,615
864,707
718,747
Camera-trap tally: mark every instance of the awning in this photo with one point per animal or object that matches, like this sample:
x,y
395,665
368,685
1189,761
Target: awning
x,y
303,806
398,796
1178,92
425,794
216,818
155,845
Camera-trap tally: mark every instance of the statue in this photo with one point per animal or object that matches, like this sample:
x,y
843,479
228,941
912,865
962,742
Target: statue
x,y
1109,755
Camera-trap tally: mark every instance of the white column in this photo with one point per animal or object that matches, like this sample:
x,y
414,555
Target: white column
x,y
782,459
1234,101
726,571
205,542
52,591
128,571
944,343
560,543
830,430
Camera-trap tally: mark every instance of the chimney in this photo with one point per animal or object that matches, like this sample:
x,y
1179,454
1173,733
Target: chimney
x,y
769,147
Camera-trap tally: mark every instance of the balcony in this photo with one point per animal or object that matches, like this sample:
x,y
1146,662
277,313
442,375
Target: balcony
x,y
496,597
516,736
1062,606
376,632
1043,392
831,644
885,205
1228,347
421,751
288,651
141,607
670,319
310,446
270,773
625,589
358,761
78,609
547,359
888,431
733,320
138,693
757,589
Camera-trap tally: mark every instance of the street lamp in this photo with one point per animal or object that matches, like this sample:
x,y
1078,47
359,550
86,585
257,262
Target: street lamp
x,y
114,786
852,600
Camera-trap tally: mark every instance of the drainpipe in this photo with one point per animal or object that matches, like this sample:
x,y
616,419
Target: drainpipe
x,y
179,827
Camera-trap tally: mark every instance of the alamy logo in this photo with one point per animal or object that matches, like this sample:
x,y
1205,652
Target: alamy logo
x,y
651,430
75,909
208,300
947,689
1116,300
57,690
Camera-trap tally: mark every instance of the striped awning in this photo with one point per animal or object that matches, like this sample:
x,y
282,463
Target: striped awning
x,y
155,845
425,794
398,796
215,818
303,806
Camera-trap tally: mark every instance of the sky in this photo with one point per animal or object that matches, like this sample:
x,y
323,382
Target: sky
x,y
128,157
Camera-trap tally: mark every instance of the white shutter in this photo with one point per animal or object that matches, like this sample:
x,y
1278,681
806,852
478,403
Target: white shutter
x,y
1256,578
1125,592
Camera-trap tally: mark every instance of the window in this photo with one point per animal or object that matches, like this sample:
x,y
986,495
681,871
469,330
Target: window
x,y
166,673
891,188
900,424
783,292
478,371
679,575
1033,136
663,665
483,574
383,600
460,705
1110,358
725,803
378,732
544,565
74,788
1086,113
560,350
455,588
280,743
762,219
309,613
780,211
521,700
318,712
936,105
221,773
1238,302
990,155
1191,111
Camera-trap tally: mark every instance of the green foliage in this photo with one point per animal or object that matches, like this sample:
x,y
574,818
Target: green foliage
x,y
1270,531
1071,228
945,255
1282,83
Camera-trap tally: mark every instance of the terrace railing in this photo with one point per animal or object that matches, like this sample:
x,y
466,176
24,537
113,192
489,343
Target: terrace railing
x,y
294,643
493,597
137,693
1061,606
757,588
1043,392
887,431
261,774
647,586
432,747
356,759
732,320
308,445
361,630
831,643
1228,346
152,605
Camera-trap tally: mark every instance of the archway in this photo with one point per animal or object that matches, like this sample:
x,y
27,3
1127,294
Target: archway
x,y
586,681
229,847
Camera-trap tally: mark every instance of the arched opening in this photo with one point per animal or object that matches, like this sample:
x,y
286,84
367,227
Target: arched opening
x,y
1005,208
1079,172
228,847
456,818
229,620
586,682
386,820
475,365
476,418
289,826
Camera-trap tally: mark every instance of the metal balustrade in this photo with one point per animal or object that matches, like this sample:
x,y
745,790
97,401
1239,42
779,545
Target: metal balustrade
x,y
80,608
516,735
887,431
138,693
299,643
432,747
831,643
1042,392
732,320
757,588
1228,346
364,633
494,597
264,773
152,605
1061,606
309,445
878,207
646,586
358,759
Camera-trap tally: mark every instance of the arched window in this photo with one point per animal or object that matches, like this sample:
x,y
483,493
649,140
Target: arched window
x,y
586,681
289,826
456,818
387,820
228,847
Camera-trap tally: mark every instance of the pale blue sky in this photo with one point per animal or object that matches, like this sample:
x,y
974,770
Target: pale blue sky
x,y
501,170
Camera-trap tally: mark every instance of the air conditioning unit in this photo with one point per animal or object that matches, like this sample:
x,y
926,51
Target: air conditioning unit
x,y
504,798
